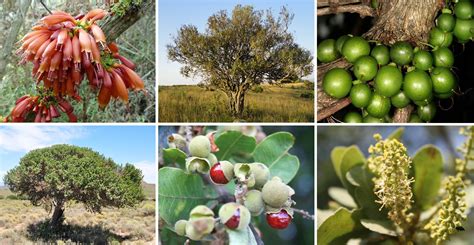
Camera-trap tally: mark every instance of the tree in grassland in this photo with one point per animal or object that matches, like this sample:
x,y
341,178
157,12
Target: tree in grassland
x,y
236,52
54,175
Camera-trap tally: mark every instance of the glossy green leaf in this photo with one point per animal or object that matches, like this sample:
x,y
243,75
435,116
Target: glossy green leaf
x,y
234,143
336,157
337,228
428,169
245,236
351,157
273,152
397,134
178,193
383,227
174,156
341,196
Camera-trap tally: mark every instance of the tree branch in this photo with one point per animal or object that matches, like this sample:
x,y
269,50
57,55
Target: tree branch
x,y
362,10
258,239
403,115
305,213
46,7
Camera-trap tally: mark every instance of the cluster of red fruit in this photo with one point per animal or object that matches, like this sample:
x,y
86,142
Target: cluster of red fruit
x,y
64,49
40,108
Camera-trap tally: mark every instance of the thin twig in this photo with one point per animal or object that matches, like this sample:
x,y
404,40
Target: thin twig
x,y
305,214
256,235
46,7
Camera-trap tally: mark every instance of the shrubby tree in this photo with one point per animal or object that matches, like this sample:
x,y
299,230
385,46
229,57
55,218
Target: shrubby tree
x,y
240,50
58,174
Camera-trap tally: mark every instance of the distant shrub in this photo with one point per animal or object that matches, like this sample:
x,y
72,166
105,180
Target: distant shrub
x,y
257,89
12,197
307,95
2,197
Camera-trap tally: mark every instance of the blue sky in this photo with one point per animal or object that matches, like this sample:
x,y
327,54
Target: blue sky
x,y
124,144
175,13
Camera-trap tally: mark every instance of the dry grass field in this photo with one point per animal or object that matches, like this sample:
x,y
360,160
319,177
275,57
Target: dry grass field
x,y
286,103
22,223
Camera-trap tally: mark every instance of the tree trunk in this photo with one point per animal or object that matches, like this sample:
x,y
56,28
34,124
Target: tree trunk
x,y
58,213
395,20
237,102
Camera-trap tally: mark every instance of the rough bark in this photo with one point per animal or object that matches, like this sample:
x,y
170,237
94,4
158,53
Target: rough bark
x,y
237,102
395,20
114,25
58,213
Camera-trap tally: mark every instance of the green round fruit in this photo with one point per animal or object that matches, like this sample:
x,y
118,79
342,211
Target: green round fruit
x,y
337,83
445,22
327,51
381,53
401,53
354,48
417,85
439,38
443,57
200,146
443,80
365,68
427,112
275,193
423,60
353,117
361,95
400,100
388,81
340,42
464,30
379,106
445,95
463,10
371,119
415,119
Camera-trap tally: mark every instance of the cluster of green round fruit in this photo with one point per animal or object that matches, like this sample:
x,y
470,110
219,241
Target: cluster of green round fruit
x,y
261,194
383,77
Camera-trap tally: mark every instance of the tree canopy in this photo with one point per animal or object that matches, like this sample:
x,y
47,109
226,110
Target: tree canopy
x,y
239,50
54,175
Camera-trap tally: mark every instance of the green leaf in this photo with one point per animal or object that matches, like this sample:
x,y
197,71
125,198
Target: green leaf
x,y
428,168
351,157
337,228
397,134
383,227
237,237
174,156
336,157
234,143
273,152
341,196
178,193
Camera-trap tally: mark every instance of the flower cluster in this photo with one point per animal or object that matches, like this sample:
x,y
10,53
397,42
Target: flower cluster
x,y
390,163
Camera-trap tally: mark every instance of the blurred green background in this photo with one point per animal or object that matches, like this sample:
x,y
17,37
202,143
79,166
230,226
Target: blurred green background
x,y
301,231
447,139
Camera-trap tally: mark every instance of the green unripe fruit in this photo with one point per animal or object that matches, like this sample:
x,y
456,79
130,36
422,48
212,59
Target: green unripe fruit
x,y
197,164
464,30
243,173
463,10
275,193
379,106
200,223
340,42
337,83
254,202
261,173
327,51
400,100
443,57
200,146
200,211
212,159
445,95
371,119
353,117
443,80
445,22
180,227
423,60
439,38
401,53
415,119
427,112
234,216
388,81
417,85
365,68
354,48
361,95
382,54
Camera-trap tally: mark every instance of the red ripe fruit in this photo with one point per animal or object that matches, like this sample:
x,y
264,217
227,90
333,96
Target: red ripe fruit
x,y
233,222
279,220
217,174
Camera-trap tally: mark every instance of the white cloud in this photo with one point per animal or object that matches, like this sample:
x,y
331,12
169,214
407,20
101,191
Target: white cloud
x,y
23,138
148,170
